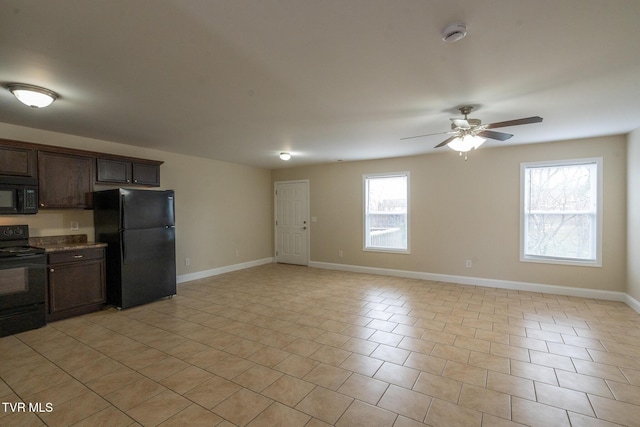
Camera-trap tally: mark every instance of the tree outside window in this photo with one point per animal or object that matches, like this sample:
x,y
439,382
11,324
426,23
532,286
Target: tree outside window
x,y
561,211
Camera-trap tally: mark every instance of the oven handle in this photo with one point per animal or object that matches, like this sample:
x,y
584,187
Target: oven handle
x,y
26,256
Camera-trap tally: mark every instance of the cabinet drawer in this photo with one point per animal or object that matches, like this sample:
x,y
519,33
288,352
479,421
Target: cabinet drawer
x,y
77,255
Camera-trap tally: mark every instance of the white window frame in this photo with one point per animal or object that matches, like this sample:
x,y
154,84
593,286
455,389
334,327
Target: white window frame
x,y
365,199
597,262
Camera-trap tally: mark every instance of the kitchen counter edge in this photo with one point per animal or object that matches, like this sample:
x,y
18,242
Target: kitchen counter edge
x,y
63,247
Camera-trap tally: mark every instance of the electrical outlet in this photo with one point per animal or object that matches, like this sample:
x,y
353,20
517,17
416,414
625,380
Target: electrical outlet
x,y
74,226
187,261
340,253
468,264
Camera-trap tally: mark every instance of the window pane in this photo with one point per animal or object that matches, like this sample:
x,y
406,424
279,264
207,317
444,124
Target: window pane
x,y
562,188
560,212
386,212
560,235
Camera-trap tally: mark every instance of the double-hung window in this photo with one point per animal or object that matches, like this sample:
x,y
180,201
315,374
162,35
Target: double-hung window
x,y
386,212
561,212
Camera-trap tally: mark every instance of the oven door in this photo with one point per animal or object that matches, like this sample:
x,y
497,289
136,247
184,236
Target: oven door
x,y
22,281
9,202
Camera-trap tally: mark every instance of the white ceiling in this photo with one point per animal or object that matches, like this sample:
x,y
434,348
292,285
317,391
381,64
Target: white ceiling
x,y
242,80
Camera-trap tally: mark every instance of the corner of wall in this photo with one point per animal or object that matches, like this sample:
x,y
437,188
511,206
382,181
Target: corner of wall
x,y
633,215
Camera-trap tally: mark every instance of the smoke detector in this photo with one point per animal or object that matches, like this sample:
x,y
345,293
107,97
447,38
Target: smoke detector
x,y
454,32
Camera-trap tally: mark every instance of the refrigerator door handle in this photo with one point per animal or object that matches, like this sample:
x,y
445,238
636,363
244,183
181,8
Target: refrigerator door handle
x,y
121,211
123,247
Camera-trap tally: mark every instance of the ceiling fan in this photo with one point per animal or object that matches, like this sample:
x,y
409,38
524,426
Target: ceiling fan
x,y
467,134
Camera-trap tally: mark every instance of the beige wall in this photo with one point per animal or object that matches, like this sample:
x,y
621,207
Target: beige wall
x,y
223,210
465,210
633,215
459,210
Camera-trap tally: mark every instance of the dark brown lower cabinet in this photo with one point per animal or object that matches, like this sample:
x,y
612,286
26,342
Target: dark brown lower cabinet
x,y
76,283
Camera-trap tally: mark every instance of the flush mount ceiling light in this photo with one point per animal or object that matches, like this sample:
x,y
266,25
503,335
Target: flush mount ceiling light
x,y
285,156
454,32
33,96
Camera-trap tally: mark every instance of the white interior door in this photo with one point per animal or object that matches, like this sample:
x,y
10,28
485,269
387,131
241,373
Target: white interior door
x,y
292,222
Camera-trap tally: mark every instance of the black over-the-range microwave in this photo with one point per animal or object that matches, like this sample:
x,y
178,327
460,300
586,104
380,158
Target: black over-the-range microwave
x,y
18,196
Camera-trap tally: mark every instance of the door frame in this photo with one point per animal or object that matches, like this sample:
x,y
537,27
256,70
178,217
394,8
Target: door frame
x,y
275,216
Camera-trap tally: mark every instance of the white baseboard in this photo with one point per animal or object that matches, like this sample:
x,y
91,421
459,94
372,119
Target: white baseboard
x,y
491,283
221,270
632,302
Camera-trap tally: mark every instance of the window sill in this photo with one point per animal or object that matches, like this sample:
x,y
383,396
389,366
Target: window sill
x,y
561,261
388,250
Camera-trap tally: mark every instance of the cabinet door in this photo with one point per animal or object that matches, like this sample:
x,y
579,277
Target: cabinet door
x,y
114,171
75,288
146,174
65,181
17,162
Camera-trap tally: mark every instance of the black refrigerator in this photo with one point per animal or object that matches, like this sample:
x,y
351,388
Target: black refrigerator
x,y
139,228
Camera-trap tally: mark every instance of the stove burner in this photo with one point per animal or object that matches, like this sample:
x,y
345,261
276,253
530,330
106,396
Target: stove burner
x,y
14,242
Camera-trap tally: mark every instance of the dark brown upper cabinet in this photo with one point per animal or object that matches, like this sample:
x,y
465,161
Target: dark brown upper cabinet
x,y
113,171
66,176
18,163
65,180
122,171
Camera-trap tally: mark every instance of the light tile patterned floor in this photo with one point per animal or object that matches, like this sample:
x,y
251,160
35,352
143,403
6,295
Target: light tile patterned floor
x,y
281,345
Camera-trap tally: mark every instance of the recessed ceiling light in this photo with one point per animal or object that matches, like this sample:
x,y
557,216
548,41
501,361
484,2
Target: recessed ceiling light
x,y
285,156
33,96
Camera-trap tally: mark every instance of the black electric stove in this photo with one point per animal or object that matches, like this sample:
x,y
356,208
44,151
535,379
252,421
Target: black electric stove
x,y
22,281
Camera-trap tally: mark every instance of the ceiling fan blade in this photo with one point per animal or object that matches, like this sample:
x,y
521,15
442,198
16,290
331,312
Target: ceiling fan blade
x,y
428,134
461,123
525,121
500,136
446,141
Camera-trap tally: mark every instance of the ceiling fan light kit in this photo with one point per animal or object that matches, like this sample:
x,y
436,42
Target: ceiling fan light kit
x,y
467,134
32,96
466,143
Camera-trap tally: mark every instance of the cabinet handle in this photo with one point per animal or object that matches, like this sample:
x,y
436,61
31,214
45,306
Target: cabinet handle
x,y
78,256
42,205
51,270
